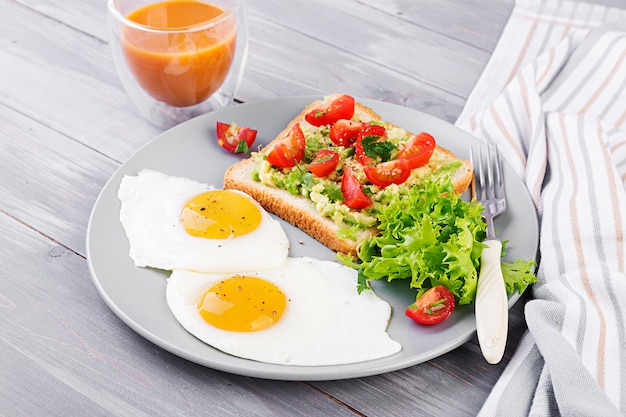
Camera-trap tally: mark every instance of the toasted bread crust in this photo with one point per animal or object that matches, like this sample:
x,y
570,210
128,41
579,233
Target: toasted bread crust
x,y
300,211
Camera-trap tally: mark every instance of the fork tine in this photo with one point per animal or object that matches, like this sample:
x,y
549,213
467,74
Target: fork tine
x,y
483,167
488,184
499,179
497,182
473,163
480,177
492,170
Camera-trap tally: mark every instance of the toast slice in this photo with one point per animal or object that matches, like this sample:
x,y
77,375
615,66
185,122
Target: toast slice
x,y
305,213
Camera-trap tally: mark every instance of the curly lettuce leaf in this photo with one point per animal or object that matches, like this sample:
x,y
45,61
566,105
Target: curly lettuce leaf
x,y
433,237
518,275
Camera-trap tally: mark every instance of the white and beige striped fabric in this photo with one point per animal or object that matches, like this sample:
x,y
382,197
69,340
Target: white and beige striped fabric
x,y
553,96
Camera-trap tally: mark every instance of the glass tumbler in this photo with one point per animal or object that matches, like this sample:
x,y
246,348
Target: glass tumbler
x,y
177,59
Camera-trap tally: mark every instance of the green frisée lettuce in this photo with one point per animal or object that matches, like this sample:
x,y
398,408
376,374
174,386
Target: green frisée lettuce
x,y
432,236
518,275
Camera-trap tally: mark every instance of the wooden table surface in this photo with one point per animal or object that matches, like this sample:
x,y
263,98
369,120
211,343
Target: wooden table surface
x,y
66,125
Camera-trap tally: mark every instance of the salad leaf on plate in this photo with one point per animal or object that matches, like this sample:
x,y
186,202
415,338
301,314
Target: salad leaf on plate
x,y
433,237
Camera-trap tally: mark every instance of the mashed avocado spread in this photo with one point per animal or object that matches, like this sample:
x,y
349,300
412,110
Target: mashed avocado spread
x,y
325,192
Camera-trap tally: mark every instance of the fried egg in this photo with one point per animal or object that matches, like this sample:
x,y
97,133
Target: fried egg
x,y
178,223
304,312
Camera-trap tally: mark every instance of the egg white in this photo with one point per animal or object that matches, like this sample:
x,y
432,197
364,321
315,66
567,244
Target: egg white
x,y
326,322
151,203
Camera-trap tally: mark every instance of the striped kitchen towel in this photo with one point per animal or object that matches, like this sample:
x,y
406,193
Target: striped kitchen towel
x,y
553,97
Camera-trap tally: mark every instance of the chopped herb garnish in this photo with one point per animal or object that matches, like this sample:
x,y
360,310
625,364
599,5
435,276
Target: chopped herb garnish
x,y
333,192
375,148
242,147
323,159
435,306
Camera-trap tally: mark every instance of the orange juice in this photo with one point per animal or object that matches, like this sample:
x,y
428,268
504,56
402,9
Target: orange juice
x,y
182,53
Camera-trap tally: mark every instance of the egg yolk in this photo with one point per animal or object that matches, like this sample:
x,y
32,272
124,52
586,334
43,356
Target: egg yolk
x,y
242,304
219,214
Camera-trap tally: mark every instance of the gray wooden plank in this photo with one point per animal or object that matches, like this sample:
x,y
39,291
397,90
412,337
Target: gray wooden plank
x,y
59,177
88,16
474,22
388,41
66,81
304,73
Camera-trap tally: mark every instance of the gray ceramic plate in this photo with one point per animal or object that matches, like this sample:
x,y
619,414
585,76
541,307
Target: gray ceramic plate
x,y
137,295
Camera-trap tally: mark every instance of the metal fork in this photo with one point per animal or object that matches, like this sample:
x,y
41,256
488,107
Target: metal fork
x,y
492,312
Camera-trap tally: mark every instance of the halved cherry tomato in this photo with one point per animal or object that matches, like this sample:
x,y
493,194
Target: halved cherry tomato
x,y
418,150
434,306
235,138
387,173
344,132
324,163
340,108
369,130
288,152
354,197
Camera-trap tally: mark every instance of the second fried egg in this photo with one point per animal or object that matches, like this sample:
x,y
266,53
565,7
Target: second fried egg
x,y
305,312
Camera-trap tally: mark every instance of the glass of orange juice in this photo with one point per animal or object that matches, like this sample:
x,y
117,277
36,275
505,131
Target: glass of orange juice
x,y
177,59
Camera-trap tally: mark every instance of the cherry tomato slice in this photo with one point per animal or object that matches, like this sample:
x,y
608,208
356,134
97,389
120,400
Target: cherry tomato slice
x,y
340,108
387,173
434,306
344,132
418,150
235,138
354,197
288,152
324,163
369,130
